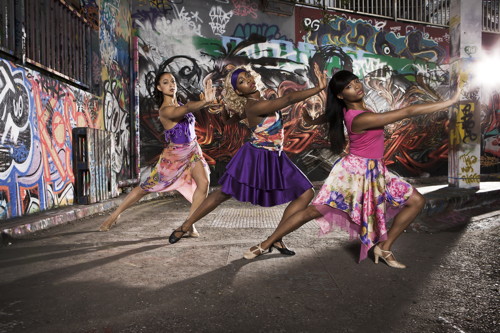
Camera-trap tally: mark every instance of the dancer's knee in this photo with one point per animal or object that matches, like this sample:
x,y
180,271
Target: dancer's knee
x,y
416,200
308,195
202,184
311,213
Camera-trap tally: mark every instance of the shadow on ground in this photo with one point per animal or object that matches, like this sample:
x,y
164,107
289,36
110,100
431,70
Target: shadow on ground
x,y
319,290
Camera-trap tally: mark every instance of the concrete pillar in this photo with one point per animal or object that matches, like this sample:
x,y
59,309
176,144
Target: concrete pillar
x,y
465,128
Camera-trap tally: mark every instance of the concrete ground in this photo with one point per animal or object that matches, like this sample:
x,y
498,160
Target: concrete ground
x,y
72,278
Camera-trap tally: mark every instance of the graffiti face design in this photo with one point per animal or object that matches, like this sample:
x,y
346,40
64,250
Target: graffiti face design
x,y
314,106
117,121
15,131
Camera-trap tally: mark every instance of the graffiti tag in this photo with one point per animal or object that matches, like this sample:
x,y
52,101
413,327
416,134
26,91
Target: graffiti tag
x,y
468,174
245,8
313,25
219,19
468,123
192,19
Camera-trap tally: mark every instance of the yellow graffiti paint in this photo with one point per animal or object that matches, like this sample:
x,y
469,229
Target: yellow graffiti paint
x,y
463,129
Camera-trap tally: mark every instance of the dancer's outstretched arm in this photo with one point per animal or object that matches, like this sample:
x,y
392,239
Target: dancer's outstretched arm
x,y
176,111
263,107
227,118
370,120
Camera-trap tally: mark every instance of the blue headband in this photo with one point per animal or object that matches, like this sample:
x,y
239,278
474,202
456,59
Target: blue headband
x,y
234,76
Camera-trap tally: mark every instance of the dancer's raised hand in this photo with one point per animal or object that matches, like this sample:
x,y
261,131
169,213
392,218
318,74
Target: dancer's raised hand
x,y
309,121
321,76
209,93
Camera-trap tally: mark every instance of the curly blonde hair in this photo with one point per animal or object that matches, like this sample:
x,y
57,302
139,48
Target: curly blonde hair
x,y
236,103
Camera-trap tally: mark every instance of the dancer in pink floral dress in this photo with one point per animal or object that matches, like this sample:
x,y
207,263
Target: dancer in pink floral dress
x,y
360,189
181,165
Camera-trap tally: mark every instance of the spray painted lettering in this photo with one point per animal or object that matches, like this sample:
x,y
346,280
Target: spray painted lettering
x,y
219,19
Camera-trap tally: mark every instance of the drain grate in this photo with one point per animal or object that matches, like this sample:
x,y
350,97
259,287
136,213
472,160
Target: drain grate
x,y
251,218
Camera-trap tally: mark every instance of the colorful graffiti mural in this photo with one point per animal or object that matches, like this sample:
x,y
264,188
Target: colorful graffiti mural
x,y
490,130
38,114
116,77
400,64
374,35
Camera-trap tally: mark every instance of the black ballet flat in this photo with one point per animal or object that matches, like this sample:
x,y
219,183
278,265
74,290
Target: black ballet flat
x,y
282,249
172,239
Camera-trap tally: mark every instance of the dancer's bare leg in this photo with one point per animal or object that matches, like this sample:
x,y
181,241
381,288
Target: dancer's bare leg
x,y
200,176
405,217
291,224
212,201
293,207
135,195
297,205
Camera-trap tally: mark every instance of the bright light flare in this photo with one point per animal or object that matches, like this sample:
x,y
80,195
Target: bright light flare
x,y
486,70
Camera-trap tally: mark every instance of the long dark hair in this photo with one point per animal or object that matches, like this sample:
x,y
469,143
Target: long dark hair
x,y
335,109
158,95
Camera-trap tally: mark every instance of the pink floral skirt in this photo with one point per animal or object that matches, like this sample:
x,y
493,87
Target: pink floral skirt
x,y
359,196
173,170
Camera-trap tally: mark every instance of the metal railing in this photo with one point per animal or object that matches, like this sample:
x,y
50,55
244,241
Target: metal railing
x,y
92,154
432,12
57,39
7,28
491,14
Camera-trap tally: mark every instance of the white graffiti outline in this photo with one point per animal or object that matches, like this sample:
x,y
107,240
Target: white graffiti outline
x,y
192,19
10,125
219,19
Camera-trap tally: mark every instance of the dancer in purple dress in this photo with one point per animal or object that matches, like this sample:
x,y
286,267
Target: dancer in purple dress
x,y
260,172
359,189
181,165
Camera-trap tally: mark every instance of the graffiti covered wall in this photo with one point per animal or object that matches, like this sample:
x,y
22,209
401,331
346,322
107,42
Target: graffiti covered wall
x,y
115,33
490,131
400,63
194,39
38,114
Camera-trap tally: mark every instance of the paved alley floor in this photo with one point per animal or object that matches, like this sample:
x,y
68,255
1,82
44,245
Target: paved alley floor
x,y
72,278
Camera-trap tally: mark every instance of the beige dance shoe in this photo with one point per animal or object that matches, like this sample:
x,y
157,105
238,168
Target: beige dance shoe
x,y
193,232
106,225
251,254
379,253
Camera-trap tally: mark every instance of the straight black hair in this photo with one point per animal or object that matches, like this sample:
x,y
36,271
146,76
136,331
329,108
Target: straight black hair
x,y
335,109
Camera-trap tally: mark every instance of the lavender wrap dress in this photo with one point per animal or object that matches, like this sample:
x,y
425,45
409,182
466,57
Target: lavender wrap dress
x,y
173,170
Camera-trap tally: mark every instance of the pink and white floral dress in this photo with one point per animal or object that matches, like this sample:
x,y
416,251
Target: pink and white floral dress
x,y
360,194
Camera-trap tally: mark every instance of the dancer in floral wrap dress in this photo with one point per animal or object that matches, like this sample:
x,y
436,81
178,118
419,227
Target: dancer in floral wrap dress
x,y
260,172
359,188
181,165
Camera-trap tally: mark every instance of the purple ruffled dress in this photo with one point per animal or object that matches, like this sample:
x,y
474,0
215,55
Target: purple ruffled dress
x,y
260,173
